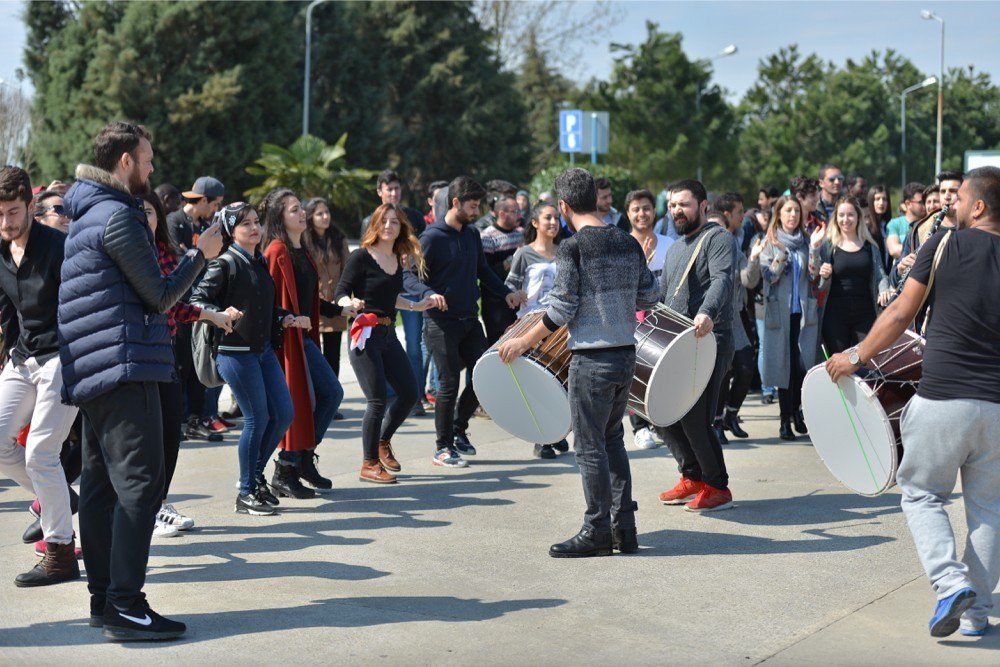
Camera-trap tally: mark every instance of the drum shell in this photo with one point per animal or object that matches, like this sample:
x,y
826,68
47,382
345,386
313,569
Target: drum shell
x,y
652,337
552,353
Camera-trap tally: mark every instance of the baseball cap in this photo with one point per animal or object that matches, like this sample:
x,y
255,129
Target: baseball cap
x,y
205,186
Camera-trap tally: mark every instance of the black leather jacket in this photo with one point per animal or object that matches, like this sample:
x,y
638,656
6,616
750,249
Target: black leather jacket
x,y
235,279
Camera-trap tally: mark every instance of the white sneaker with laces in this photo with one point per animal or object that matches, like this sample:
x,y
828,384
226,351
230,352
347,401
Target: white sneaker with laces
x,y
644,439
162,529
168,514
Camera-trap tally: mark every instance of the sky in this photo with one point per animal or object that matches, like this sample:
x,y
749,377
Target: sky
x,y
836,31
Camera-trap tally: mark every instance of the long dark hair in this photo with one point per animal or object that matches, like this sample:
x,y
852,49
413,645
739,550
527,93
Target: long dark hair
x,y
323,246
272,214
162,233
875,223
531,232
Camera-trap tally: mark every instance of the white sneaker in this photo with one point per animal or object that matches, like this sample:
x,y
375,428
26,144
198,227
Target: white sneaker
x,y
170,516
162,529
644,439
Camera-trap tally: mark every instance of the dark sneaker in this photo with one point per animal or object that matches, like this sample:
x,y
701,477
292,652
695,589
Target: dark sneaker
x,y
545,452
215,425
252,504
449,458
264,493
463,445
97,604
139,623
195,430
562,446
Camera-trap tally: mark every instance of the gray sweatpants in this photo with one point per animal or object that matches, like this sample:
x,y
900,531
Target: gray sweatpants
x,y
941,438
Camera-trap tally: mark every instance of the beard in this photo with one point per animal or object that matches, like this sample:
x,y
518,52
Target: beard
x,y
685,226
136,185
463,219
10,233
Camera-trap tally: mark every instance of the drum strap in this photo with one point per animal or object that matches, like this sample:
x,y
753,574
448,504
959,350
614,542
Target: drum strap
x,y
687,269
930,281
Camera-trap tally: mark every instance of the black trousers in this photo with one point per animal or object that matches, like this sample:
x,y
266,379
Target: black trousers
x,y
191,388
331,349
382,362
790,400
455,344
846,322
497,316
692,440
736,383
121,489
71,456
171,406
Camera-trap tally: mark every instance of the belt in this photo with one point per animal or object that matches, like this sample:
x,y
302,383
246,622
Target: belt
x,y
385,321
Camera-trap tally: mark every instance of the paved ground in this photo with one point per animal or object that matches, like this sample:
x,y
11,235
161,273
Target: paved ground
x,y
451,567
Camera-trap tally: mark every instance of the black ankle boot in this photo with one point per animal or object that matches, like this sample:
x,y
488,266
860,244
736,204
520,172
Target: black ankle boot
x,y
720,432
286,484
731,423
798,419
625,540
309,474
785,432
584,544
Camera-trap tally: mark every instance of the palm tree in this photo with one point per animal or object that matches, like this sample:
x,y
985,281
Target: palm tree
x,y
313,168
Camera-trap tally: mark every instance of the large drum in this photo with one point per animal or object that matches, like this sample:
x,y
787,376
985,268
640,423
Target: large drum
x,y
527,398
854,424
672,367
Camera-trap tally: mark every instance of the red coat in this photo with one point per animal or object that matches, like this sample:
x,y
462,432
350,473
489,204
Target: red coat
x,y
301,435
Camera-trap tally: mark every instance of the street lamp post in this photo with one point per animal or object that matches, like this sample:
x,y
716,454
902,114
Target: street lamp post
x,y
305,83
928,15
728,51
929,81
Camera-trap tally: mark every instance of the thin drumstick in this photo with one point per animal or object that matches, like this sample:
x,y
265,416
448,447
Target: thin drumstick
x,y
524,398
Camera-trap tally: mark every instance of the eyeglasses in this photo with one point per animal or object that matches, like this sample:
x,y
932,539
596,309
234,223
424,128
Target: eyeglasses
x,y
58,209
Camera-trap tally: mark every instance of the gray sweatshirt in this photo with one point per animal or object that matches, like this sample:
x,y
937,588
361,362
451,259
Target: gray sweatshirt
x,y
601,280
709,287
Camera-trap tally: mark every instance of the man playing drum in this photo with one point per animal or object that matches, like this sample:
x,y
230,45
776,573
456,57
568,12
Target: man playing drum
x,y
953,423
698,282
601,280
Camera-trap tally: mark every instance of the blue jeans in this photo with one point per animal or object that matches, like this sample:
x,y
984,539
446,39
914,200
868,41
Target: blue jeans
x,y
258,384
413,327
767,391
326,392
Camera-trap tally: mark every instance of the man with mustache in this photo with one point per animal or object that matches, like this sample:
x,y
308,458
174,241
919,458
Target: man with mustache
x,y
115,349
705,294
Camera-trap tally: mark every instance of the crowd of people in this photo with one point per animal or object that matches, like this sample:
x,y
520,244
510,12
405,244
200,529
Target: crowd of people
x,y
125,310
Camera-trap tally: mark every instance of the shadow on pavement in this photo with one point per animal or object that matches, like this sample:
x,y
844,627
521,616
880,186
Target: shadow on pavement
x,y
811,509
331,613
697,543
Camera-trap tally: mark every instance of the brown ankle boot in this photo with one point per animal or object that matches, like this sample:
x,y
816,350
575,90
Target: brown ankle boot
x,y
372,471
57,565
385,455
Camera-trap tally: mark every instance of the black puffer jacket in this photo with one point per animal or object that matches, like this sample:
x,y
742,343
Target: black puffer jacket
x,y
243,282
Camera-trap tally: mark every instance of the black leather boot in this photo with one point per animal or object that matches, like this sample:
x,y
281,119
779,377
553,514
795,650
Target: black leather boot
x,y
799,421
309,474
33,533
286,484
731,423
720,432
625,540
785,432
584,544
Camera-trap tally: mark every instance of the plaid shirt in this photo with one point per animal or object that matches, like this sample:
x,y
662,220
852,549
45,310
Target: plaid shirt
x,y
182,311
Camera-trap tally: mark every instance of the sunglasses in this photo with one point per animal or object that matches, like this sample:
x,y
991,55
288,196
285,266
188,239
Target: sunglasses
x,y
834,179
58,209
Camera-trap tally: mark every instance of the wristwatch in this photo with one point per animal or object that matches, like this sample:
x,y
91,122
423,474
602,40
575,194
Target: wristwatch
x,y
854,357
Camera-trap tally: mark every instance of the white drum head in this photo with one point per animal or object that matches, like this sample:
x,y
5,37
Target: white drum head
x,y
679,377
852,434
541,415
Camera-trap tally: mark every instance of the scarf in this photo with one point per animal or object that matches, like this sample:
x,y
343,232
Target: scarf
x,y
794,242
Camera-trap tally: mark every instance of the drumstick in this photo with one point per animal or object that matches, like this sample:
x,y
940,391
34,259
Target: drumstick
x,y
524,398
843,400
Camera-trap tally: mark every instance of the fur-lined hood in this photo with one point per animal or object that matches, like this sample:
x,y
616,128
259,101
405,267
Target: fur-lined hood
x,y
93,186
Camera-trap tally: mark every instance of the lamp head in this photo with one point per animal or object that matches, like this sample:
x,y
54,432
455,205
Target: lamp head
x,y
729,50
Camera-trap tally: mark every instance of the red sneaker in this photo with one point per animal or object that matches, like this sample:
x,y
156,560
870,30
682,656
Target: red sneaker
x,y
215,425
685,490
431,398
225,422
710,499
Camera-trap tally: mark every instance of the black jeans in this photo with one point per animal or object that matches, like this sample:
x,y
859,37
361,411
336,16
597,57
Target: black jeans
x,y
497,316
121,489
637,423
692,440
331,349
455,344
736,383
383,360
171,406
192,390
790,400
846,322
599,382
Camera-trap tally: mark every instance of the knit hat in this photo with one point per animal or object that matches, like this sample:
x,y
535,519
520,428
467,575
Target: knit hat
x,y
228,214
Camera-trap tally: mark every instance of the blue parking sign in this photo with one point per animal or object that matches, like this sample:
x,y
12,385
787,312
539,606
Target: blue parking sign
x,y
571,131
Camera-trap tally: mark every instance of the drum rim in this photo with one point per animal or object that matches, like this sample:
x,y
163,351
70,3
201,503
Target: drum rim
x,y
886,426
548,376
659,362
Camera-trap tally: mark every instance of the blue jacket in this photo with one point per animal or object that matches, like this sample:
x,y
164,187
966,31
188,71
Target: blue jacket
x,y
112,300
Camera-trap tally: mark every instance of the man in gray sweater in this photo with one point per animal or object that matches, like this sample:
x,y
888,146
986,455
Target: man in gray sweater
x,y
705,294
601,280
